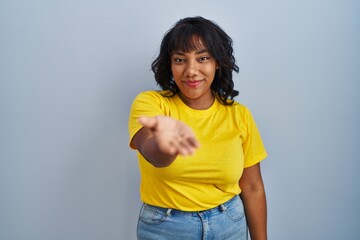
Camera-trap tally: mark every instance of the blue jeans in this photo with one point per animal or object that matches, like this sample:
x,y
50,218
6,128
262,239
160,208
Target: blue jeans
x,y
225,222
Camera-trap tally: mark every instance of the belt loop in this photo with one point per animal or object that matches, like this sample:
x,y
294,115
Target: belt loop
x,y
223,207
168,212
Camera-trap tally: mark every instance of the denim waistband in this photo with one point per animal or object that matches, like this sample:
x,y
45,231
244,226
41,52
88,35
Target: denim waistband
x,y
220,208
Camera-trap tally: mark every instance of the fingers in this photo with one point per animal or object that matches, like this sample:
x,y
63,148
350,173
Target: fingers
x,y
149,122
177,143
185,145
194,142
172,136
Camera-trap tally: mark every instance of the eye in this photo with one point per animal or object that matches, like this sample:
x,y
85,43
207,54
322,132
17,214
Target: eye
x,y
178,59
203,59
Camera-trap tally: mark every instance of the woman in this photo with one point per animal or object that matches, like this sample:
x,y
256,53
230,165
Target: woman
x,y
198,149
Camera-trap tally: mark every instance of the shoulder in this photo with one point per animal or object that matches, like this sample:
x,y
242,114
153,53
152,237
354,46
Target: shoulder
x,y
239,108
151,96
159,102
242,115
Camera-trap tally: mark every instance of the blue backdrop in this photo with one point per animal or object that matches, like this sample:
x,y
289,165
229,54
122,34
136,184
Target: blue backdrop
x,y
69,71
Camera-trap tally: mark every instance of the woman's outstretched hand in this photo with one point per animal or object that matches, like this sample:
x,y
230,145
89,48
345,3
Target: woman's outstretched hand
x,y
172,136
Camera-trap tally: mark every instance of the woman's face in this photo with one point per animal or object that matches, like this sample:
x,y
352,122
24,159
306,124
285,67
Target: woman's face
x,y
193,73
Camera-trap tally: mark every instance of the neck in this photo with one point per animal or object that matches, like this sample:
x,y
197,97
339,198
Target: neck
x,y
200,103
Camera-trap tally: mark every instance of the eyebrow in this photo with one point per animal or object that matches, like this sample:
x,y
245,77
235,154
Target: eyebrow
x,y
197,52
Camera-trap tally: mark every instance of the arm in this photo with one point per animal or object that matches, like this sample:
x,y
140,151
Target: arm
x,y
162,138
253,196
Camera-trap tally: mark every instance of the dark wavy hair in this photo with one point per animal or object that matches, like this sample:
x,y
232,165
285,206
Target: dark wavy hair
x,y
187,35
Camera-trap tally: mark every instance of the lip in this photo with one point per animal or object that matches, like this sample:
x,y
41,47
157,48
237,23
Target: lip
x,y
192,83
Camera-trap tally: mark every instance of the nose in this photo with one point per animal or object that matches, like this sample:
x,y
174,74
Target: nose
x,y
191,69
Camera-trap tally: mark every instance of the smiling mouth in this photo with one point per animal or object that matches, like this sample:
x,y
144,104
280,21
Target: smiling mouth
x,y
193,84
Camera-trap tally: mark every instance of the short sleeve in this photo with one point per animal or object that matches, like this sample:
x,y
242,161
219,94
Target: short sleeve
x,y
145,104
253,147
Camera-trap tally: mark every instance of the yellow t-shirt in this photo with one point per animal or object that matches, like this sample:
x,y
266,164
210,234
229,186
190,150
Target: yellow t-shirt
x,y
229,141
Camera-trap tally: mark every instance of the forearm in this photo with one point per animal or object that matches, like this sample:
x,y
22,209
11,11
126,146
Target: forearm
x,y
151,152
256,213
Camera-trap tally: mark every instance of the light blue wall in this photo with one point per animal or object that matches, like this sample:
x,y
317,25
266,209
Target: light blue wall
x,y
70,69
